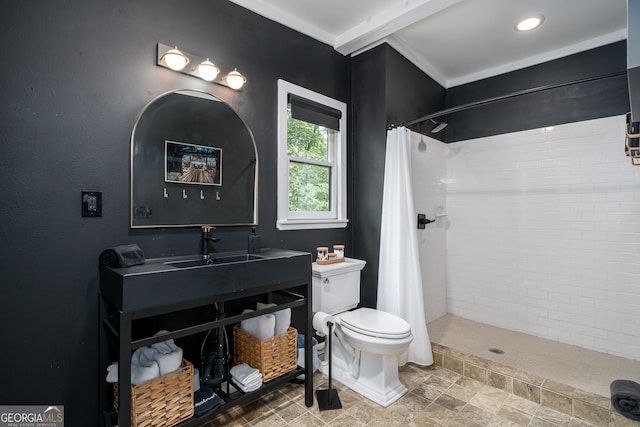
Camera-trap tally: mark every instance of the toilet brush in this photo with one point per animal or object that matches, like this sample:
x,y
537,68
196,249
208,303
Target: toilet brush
x,y
329,399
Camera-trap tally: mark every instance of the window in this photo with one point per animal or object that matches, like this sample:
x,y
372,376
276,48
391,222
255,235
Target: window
x,y
312,161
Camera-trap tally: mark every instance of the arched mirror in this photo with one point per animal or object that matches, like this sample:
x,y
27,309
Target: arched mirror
x,y
193,162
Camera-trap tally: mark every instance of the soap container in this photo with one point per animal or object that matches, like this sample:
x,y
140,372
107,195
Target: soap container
x,y
253,246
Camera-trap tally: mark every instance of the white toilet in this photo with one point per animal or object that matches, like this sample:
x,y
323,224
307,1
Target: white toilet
x,y
366,342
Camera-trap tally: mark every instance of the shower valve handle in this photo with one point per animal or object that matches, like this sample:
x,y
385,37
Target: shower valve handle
x,y
423,221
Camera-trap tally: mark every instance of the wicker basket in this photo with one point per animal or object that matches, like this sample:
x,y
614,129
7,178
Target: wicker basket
x,y
164,401
272,357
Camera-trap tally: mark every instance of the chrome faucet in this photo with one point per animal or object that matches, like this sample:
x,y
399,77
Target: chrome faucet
x,y
206,238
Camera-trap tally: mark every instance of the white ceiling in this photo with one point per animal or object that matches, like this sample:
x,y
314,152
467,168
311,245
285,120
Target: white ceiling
x,y
454,41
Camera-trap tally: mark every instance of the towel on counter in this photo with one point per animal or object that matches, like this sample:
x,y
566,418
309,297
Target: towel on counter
x,y
122,256
246,377
625,397
261,327
283,318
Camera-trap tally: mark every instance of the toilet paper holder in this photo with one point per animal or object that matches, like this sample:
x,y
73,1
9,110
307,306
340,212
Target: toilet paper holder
x,y
328,399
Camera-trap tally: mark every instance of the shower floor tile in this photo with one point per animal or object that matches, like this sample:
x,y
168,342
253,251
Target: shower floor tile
x,y
583,369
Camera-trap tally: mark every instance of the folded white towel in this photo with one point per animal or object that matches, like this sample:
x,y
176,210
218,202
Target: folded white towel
x,y
245,375
243,370
261,327
283,318
250,388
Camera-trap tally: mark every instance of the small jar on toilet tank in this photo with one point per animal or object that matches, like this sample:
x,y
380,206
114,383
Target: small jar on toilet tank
x,y
323,253
338,250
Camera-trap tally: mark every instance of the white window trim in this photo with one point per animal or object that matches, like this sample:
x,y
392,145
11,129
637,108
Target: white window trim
x,y
287,220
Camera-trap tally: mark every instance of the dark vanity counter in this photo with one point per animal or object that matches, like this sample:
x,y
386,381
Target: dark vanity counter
x,y
186,281
168,285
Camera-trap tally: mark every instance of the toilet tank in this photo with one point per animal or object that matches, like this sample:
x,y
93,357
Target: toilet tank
x,y
336,287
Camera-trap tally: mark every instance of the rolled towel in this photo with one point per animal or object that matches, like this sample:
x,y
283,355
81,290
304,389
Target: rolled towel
x,y
112,373
283,318
262,327
148,356
122,256
142,368
140,374
147,368
625,397
169,355
135,357
167,361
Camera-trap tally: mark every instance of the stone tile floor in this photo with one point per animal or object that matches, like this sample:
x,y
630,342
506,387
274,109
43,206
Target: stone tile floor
x,y
437,397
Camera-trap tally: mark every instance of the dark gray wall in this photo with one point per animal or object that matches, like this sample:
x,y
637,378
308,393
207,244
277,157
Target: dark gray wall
x,y
577,102
367,160
411,94
386,89
80,73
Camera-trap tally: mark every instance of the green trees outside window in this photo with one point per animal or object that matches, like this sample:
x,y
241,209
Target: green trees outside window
x,y
308,148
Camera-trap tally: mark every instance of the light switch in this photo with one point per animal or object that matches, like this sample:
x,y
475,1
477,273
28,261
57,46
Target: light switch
x,y
91,203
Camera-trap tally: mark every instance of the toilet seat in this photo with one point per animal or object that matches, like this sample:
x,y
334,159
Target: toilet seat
x,y
375,323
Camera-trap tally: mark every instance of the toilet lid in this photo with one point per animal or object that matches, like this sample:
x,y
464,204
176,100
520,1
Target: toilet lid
x,y
368,321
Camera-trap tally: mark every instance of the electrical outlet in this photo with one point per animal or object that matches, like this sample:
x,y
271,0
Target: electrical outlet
x,y
91,203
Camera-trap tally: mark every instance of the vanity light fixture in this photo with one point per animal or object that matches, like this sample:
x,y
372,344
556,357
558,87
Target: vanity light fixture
x,y
176,60
529,23
207,70
235,80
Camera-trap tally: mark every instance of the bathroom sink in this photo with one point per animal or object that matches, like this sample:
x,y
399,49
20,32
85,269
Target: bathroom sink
x,y
214,261
187,280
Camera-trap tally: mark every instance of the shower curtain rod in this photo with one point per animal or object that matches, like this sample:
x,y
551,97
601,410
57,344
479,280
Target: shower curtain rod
x,y
507,96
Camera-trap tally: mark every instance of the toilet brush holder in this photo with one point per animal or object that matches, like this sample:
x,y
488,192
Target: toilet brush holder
x,y
328,399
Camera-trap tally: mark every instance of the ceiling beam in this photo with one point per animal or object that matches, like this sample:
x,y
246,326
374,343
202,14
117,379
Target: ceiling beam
x,y
378,27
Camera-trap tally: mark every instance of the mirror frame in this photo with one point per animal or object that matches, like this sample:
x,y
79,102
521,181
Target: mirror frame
x,y
199,224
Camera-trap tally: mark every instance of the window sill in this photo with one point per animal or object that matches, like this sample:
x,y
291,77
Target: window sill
x,y
310,224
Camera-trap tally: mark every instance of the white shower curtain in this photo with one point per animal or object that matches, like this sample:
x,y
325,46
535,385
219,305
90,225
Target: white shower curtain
x,y
399,275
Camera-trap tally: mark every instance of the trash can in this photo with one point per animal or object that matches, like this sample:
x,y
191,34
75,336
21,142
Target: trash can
x,y
300,352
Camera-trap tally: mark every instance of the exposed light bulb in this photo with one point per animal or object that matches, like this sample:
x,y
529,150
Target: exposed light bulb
x,y
235,80
175,59
207,70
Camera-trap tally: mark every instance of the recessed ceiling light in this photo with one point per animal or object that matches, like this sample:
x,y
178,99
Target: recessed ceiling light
x,y
529,23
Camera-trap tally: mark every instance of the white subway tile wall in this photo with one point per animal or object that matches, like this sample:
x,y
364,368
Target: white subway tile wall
x,y
542,233
428,165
